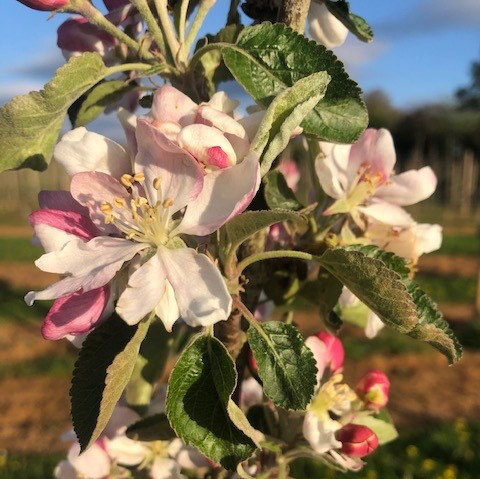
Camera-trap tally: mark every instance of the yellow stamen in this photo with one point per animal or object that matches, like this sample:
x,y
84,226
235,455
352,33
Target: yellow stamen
x,y
157,183
119,202
126,180
106,208
167,202
138,177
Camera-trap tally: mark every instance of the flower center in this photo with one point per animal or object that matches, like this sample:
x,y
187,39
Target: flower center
x,y
136,217
333,396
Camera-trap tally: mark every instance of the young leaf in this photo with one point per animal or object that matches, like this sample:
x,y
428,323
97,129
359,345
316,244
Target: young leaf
x,y
151,428
102,371
379,287
286,365
357,25
247,224
30,124
198,403
93,103
269,58
383,428
284,114
383,284
278,194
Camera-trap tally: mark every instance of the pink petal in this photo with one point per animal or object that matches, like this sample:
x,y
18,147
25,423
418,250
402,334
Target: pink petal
x,y
60,200
91,189
69,222
409,188
180,175
375,152
169,104
75,314
225,194
198,139
387,213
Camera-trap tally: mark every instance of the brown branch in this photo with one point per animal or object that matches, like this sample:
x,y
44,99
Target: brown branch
x,y
294,14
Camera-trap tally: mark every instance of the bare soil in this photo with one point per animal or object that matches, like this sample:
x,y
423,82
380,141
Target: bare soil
x,y
25,276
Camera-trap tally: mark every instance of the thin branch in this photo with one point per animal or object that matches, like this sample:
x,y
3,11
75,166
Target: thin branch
x,y
294,14
144,9
167,27
203,9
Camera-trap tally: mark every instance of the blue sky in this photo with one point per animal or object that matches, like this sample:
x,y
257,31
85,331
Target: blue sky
x,y
421,53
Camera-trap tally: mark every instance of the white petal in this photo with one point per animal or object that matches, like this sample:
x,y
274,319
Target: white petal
x,y
144,291
52,239
94,463
324,27
387,213
167,308
321,433
409,188
222,102
200,290
320,354
374,325
225,194
164,468
125,451
187,457
80,150
332,171
129,123
429,238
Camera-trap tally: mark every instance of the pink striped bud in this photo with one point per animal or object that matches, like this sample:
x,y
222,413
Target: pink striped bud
x,y
252,363
357,441
45,5
373,389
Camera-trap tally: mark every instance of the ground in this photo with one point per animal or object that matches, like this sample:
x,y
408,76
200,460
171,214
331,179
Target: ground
x,y
35,374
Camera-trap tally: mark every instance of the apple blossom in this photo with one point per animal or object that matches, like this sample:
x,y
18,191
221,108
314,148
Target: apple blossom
x,y
137,210
360,179
357,440
324,27
373,389
45,5
328,352
251,393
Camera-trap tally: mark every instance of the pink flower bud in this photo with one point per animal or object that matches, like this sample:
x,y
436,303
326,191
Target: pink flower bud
x,y
114,4
252,363
373,389
45,5
334,348
357,441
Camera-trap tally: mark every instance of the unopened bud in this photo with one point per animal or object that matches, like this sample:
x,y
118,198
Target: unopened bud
x,y
45,5
357,440
373,389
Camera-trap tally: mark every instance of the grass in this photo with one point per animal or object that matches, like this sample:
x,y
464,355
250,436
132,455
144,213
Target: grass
x,y
17,466
56,366
18,249
448,289
460,244
14,307
446,451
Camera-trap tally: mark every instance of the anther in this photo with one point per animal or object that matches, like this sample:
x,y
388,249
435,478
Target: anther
x,y
139,177
157,182
119,202
126,180
106,208
141,201
167,202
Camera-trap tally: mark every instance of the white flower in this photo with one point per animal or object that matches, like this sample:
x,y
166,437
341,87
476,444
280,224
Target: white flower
x,y
324,27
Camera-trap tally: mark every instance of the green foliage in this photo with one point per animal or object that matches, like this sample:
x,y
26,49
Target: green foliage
x,y
284,114
381,425
102,371
357,25
286,365
461,244
30,124
269,58
18,249
381,281
52,366
198,403
241,227
149,365
151,428
278,194
93,103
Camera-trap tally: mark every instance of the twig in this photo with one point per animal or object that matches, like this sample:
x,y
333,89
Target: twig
x,y
294,14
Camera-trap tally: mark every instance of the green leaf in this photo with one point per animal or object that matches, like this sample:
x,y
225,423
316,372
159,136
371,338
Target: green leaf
x,y
284,114
93,103
379,287
357,25
149,366
103,369
247,224
385,430
30,124
151,428
214,68
269,58
286,365
198,403
381,281
278,194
